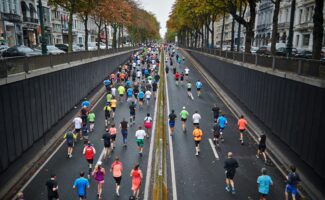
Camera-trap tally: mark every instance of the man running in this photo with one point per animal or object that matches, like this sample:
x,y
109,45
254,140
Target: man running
x,y
89,152
215,110
70,138
121,92
189,89
107,83
113,132
77,126
109,97
124,130
177,75
82,184
148,96
222,122
172,117
107,143
264,182
242,125
113,106
196,118
107,110
184,114
140,134
91,120
52,188
293,180
154,89
230,165
141,97
197,134
198,86
187,70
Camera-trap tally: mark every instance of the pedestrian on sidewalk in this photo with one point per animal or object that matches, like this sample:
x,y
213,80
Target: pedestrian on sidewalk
x,y
116,170
184,114
197,134
89,152
91,120
140,134
113,132
82,184
242,126
148,124
107,110
222,122
98,175
137,176
107,143
124,130
262,148
230,165
293,180
70,138
172,120
196,118
264,182
52,188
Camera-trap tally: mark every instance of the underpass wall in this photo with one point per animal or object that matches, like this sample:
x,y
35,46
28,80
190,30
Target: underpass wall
x,y
292,110
30,107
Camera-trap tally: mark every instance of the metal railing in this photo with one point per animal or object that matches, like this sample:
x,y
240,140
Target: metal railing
x,y
300,66
16,65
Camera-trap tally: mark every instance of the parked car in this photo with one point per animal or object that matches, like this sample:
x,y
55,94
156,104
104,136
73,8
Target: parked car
x,y
263,50
253,50
3,48
20,50
303,53
92,46
63,47
51,50
283,51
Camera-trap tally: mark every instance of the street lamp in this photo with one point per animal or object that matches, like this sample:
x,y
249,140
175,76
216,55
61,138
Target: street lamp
x,y
41,19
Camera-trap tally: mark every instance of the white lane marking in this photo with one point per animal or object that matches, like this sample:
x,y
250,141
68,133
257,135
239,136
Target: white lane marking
x,y
171,148
101,156
149,165
55,151
214,149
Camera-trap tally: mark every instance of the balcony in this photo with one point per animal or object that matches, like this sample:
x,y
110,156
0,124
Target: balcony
x,y
30,20
263,27
304,26
283,25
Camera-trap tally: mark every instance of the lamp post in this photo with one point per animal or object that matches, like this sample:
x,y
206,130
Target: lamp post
x,y
292,18
41,20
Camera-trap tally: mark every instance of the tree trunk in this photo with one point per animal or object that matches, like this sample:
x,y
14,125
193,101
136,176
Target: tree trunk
x,y
70,37
222,30
232,34
86,31
318,29
212,34
292,18
275,26
122,34
106,36
114,26
119,36
99,26
195,39
202,41
239,27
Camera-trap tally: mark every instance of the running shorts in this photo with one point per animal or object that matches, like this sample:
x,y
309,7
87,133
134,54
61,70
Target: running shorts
x,y
197,143
198,89
113,108
195,124
261,147
171,124
113,137
242,131
90,161
140,142
107,144
147,125
291,189
189,89
263,195
140,99
118,180
77,130
184,119
230,175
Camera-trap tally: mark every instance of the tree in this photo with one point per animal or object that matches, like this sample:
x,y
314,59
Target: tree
x,y
318,29
275,25
84,8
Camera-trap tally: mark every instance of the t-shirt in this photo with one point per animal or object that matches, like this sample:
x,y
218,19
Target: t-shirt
x,y
148,94
222,121
198,84
130,92
132,109
112,131
187,70
140,134
189,85
107,82
242,123
117,169
70,137
50,184
107,109
264,183
91,117
230,165
141,95
124,125
109,97
172,117
148,119
113,91
121,89
107,138
81,184
85,104
196,117
77,122
197,133
138,73
293,179
184,114
113,103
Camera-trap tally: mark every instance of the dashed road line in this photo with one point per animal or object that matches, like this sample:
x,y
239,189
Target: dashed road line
x,y
214,149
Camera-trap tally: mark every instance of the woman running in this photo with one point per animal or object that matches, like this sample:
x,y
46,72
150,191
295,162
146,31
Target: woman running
x,y
113,132
148,124
98,175
116,170
136,175
262,148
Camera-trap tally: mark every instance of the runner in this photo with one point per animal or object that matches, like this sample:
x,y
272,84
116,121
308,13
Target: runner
x,y
293,180
182,78
113,132
84,114
198,86
109,97
89,152
139,75
112,78
52,188
189,88
264,182
222,122
107,143
121,92
113,106
140,134
132,108
148,124
216,133
197,134
154,89
124,130
107,110
230,165
82,184
136,175
107,83
129,94
166,69
215,110
172,117
85,133
116,170
148,95
196,118
187,71
184,114
262,148
85,104
99,174
113,91
242,125
70,138
177,75
91,120
77,126
141,97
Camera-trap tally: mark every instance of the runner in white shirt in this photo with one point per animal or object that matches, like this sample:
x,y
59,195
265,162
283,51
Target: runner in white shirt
x,y
138,61
148,95
139,75
77,126
187,70
134,65
113,91
140,134
196,118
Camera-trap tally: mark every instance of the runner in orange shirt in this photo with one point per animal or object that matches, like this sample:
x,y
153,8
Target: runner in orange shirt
x,y
242,125
116,170
197,133
113,132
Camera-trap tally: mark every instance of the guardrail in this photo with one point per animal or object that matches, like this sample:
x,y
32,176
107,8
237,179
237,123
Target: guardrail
x,y
304,67
16,65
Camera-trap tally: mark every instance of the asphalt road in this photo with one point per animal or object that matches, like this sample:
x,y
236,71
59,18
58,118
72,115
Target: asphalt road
x,y
203,177
67,170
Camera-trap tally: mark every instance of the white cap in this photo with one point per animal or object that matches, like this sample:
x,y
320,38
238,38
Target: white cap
x,y
183,107
99,163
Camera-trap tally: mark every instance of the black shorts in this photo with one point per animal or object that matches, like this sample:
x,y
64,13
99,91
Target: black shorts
x,y
196,124
113,108
186,74
90,161
183,119
197,143
198,89
118,180
70,144
242,131
261,148
216,134
113,137
230,175
54,196
107,116
263,195
176,79
189,89
121,95
107,145
140,99
77,130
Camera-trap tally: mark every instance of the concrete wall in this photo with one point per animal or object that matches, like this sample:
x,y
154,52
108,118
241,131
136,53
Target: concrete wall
x,y
30,107
293,110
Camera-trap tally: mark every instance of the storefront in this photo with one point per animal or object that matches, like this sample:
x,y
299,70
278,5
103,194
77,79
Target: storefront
x,y
10,29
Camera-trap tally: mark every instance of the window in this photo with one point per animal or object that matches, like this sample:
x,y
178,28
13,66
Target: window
x,y
297,40
300,16
305,41
311,13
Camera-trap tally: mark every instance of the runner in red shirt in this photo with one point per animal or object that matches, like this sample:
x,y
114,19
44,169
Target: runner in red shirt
x,y
242,125
89,152
177,75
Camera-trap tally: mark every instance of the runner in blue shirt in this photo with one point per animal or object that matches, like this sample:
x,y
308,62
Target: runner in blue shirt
x,y
141,97
264,182
82,184
128,84
107,83
222,122
198,86
85,104
129,94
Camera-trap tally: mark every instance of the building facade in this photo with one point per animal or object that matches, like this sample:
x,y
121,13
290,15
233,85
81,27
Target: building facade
x,y
263,25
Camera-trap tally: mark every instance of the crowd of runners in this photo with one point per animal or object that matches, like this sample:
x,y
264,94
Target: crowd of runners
x,y
181,75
